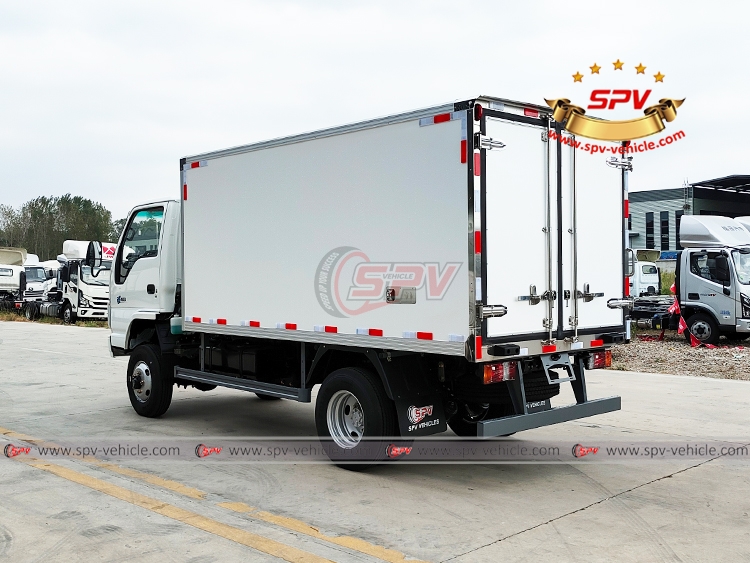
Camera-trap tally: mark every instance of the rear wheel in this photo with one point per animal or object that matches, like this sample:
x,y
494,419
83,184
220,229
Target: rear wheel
x,y
30,311
150,381
704,328
351,412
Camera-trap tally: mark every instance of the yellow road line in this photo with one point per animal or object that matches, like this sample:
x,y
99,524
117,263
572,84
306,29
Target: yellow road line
x,y
132,473
154,480
243,537
356,544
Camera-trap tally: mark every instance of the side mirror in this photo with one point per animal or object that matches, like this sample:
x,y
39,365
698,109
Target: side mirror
x,y
629,262
65,274
722,269
22,284
94,255
50,274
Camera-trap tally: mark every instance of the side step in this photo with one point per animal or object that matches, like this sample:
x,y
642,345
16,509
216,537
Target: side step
x,y
294,393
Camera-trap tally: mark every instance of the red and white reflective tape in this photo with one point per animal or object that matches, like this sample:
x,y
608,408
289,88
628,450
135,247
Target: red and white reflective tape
x,y
287,326
195,164
325,328
451,116
370,331
456,338
442,118
478,347
254,324
193,319
418,335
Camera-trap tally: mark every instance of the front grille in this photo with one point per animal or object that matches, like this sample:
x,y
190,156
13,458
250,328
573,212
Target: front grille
x,y
30,293
98,303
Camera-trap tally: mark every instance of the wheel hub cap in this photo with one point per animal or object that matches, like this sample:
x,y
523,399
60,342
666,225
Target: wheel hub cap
x,y
140,381
346,420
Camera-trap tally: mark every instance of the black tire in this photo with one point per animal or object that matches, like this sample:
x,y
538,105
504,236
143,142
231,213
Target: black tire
x,y
67,314
378,418
464,422
30,311
265,397
152,394
704,328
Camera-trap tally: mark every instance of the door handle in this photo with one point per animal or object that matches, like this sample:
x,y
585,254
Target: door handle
x,y
150,289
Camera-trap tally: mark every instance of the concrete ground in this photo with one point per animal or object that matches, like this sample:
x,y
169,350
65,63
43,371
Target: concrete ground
x,y
58,382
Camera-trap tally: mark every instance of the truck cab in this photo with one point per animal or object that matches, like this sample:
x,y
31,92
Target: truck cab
x,y
713,278
36,276
84,290
646,279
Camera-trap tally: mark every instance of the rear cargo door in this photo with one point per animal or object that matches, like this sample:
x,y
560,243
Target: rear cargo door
x,y
592,236
517,242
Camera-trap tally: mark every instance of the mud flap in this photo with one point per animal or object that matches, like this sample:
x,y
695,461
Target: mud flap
x,y
421,415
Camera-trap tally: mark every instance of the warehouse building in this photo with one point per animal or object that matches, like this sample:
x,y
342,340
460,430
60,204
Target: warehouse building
x,y
654,216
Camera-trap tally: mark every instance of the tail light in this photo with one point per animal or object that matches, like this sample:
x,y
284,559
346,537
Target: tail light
x,y
495,373
599,360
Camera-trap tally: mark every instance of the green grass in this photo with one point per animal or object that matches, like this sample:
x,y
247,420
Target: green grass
x,y
667,279
12,316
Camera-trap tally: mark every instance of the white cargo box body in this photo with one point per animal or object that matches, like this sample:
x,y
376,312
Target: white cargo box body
x,y
301,238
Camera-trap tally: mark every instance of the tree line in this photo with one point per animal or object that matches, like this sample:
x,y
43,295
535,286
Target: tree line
x,y
42,224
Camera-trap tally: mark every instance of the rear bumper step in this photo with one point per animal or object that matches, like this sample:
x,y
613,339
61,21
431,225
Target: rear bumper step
x,y
511,424
295,393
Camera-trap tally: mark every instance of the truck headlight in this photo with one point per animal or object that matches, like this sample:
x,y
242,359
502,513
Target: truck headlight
x,y
745,300
83,302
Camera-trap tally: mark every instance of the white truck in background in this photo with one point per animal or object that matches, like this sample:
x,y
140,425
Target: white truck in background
x,y
385,265
712,283
78,290
646,278
12,277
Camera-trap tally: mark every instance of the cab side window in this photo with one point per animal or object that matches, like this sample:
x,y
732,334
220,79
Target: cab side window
x,y
74,273
141,240
703,264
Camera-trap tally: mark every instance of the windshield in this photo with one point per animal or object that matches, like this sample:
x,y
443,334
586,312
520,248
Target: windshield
x,y
101,274
742,265
35,274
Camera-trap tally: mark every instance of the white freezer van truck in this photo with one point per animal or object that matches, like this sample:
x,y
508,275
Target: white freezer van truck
x,y
445,267
713,277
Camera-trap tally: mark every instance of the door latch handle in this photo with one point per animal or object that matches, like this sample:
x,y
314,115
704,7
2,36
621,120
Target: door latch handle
x,y
483,142
586,294
532,297
150,289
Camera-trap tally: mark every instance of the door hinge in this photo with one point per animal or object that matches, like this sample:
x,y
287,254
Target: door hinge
x,y
545,136
484,142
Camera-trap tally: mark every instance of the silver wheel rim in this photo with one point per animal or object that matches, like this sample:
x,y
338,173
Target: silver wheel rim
x,y
701,330
346,420
140,381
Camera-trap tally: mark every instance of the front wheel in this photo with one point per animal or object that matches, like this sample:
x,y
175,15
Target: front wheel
x,y
352,410
704,328
68,316
150,381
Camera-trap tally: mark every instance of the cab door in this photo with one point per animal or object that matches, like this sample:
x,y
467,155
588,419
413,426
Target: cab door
x,y
135,271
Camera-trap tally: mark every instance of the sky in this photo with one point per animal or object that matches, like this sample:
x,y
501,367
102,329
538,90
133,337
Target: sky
x,y
102,99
